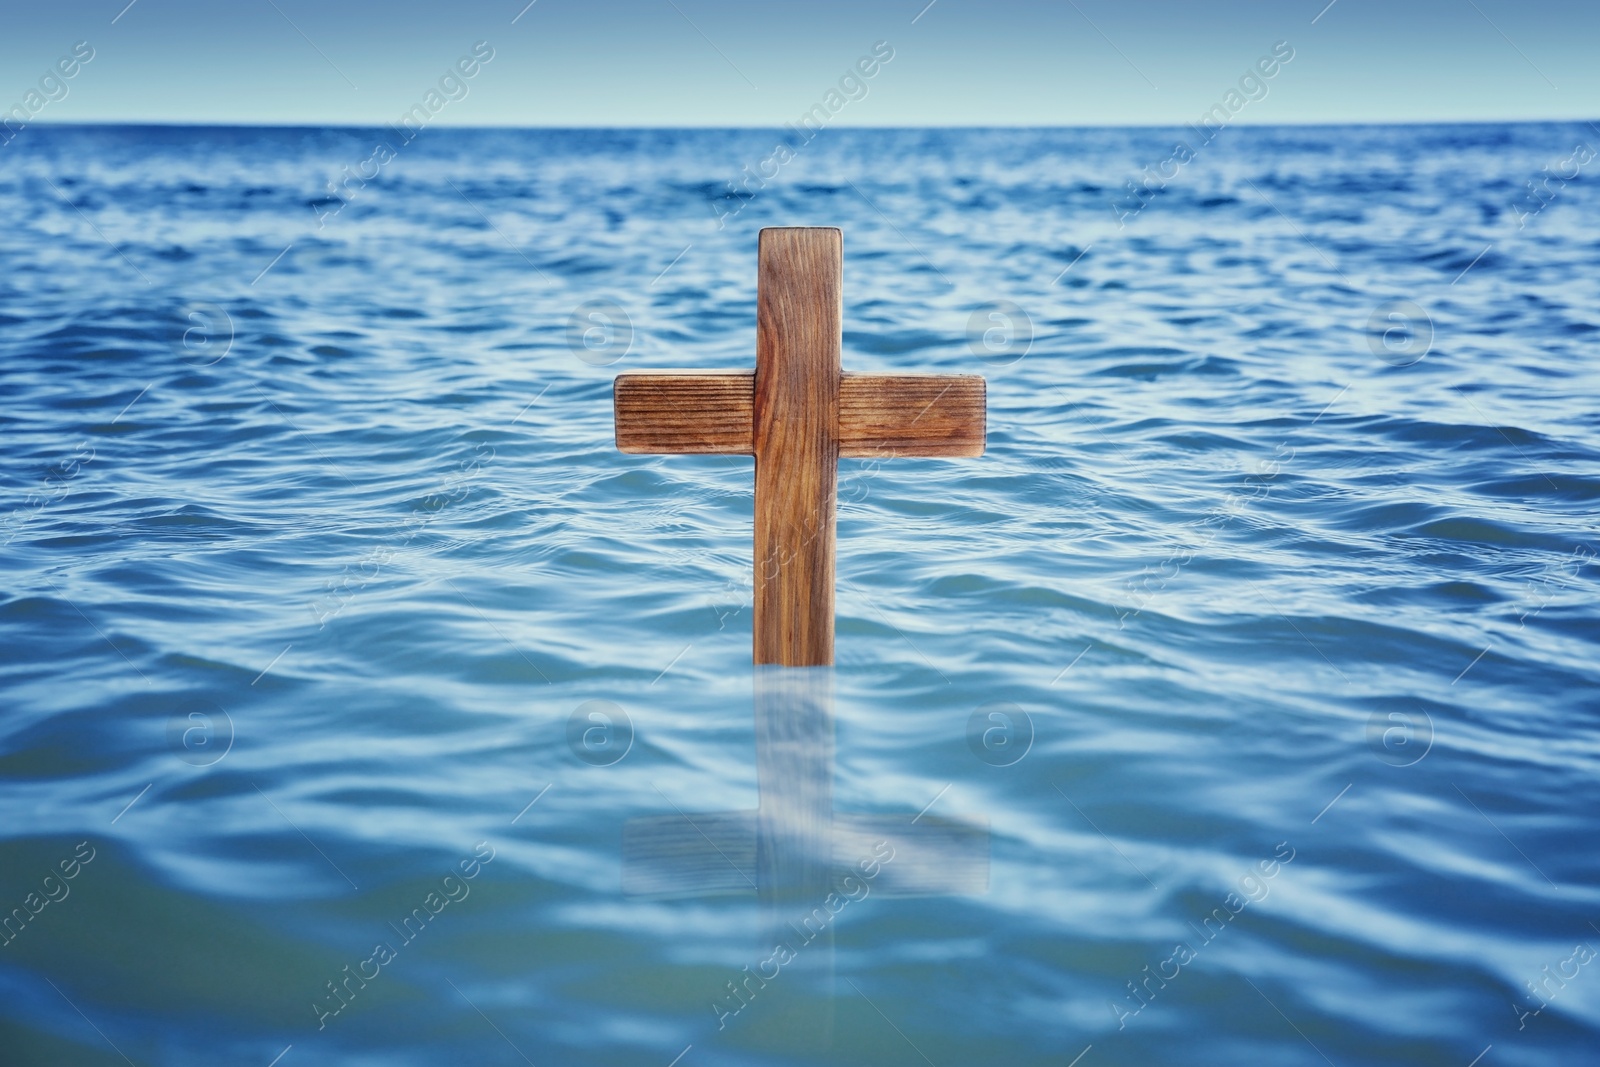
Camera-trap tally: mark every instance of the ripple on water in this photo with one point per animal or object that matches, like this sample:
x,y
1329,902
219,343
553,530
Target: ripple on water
x,y
1228,581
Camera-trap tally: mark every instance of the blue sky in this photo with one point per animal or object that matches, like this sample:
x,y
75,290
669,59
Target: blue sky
x,y
714,62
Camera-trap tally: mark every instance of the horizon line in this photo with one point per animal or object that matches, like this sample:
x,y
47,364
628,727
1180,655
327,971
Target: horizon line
x,y
621,127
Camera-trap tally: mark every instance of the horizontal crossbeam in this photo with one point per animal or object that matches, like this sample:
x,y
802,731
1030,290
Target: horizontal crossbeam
x,y
889,415
685,411
880,415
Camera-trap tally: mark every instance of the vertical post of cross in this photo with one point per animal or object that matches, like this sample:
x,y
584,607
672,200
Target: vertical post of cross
x,y
795,416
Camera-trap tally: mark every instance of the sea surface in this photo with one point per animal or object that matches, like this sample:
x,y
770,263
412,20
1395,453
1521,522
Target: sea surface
x,y
363,705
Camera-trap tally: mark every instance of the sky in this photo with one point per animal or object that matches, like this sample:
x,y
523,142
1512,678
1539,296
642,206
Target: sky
x,y
722,63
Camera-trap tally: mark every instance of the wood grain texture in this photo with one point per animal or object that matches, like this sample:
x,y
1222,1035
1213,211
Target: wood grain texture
x,y
798,413
882,416
684,411
799,313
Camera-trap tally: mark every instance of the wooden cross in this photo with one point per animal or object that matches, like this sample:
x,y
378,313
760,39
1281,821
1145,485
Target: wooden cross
x,y
797,413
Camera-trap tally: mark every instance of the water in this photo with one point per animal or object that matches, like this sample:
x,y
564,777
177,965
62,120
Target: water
x,y
319,559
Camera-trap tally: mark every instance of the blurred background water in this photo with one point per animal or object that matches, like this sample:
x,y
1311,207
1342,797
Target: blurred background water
x,y
1243,695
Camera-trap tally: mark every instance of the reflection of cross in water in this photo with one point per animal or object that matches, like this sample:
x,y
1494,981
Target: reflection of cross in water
x,y
796,853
